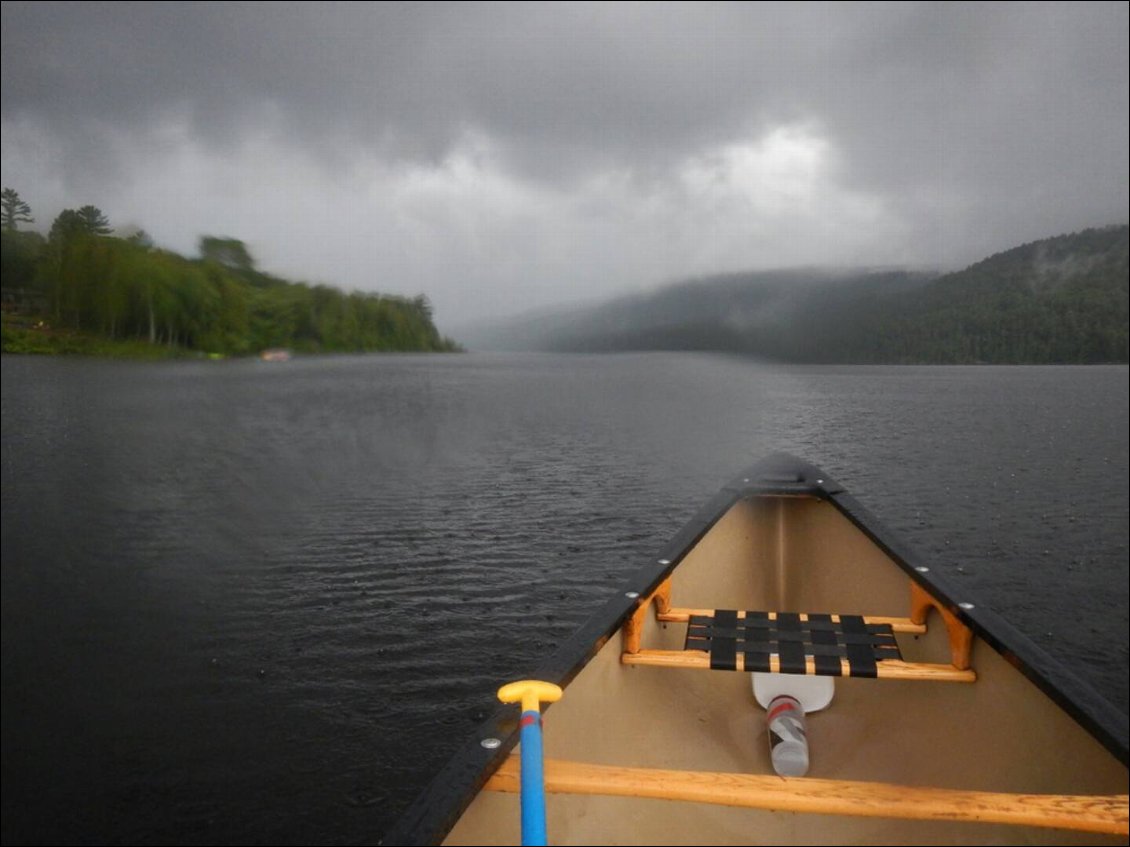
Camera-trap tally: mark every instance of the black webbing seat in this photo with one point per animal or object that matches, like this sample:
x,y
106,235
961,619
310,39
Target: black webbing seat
x,y
825,641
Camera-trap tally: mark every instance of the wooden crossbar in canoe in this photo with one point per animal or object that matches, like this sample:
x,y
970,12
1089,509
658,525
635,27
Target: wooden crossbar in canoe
x,y
897,624
1087,813
889,669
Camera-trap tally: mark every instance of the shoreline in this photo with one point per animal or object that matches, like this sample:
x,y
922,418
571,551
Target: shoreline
x,y
24,335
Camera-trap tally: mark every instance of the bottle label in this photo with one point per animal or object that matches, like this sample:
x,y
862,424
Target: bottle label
x,y
780,706
786,722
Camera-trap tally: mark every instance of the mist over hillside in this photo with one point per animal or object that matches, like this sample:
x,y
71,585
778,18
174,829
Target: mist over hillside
x,y
1061,299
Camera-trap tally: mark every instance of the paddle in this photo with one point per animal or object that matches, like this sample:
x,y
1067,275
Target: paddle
x,y
531,693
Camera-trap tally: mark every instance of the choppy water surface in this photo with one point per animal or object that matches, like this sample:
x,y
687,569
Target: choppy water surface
x,y
246,602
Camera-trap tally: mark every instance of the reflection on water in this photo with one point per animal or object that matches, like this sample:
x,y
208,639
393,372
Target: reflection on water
x,y
259,603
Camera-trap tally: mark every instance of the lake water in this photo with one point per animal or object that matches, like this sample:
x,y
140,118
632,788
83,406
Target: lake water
x,y
248,602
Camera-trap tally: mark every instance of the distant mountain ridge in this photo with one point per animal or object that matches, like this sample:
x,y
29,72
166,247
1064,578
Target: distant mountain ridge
x,y
1061,299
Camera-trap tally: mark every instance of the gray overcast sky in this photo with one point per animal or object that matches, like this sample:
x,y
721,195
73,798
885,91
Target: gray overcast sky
x,y
502,157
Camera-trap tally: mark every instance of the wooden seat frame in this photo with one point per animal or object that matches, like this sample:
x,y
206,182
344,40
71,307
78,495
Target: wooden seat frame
x,y
960,639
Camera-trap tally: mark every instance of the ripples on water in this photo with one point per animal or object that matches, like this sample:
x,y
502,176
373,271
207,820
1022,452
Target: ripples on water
x,y
261,603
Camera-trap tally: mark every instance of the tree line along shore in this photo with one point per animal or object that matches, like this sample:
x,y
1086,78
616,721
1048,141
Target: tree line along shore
x,y
86,289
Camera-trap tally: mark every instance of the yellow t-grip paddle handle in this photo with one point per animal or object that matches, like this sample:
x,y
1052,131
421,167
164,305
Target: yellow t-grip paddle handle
x,y
531,693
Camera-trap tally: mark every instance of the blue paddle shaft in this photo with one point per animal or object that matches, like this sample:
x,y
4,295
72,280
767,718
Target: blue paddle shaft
x,y
533,787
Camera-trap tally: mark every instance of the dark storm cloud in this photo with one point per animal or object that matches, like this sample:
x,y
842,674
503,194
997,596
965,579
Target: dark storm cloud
x,y
575,79
971,125
604,80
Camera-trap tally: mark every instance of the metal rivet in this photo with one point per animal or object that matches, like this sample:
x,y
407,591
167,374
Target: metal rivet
x,y
819,482
491,743
632,595
664,561
967,606
922,569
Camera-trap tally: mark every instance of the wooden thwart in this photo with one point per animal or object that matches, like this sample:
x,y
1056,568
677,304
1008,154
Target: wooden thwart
x,y
887,669
1101,813
897,624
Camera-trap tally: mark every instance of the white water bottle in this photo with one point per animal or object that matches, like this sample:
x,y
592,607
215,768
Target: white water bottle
x,y
788,741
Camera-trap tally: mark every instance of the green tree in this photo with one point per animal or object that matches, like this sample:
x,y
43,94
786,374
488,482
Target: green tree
x,y
20,258
15,210
88,220
66,224
229,252
94,221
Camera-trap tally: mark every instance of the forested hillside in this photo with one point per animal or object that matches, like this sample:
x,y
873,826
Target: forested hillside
x,y
1062,299
83,278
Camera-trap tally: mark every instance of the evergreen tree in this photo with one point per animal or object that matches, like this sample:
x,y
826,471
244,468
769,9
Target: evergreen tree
x,y
15,210
66,224
94,221
88,220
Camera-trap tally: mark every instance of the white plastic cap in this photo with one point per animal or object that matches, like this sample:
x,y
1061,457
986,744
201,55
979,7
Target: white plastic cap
x,y
813,692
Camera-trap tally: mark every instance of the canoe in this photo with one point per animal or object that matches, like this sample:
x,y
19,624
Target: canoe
x,y
945,724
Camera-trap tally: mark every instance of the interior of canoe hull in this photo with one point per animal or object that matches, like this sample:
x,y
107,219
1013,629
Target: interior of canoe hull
x,y
999,733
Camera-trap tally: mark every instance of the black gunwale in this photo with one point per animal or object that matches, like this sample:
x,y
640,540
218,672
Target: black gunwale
x,y
438,807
